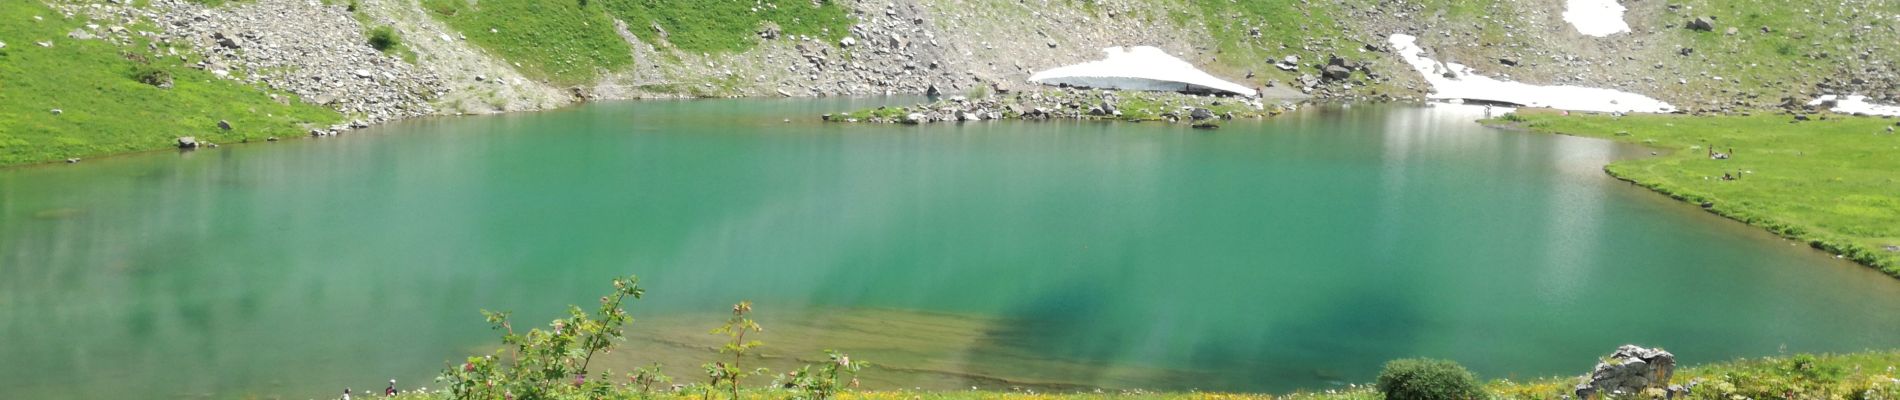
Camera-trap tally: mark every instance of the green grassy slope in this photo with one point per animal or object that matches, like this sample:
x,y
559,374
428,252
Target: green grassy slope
x,y
1805,41
574,42
1828,182
105,109
562,42
729,26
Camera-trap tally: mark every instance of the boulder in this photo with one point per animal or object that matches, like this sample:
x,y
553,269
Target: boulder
x,y
187,142
1510,61
225,125
914,118
1336,72
1200,114
229,41
1627,372
1703,24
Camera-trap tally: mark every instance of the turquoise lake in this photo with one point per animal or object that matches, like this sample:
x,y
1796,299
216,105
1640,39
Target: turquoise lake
x,y
1300,252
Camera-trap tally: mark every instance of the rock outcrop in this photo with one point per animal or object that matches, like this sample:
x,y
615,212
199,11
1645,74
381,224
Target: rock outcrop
x,y
1629,371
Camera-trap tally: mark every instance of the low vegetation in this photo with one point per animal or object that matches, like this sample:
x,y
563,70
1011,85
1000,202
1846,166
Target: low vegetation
x,y
561,42
575,42
1778,47
554,363
1828,181
385,39
729,26
86,98
1427,379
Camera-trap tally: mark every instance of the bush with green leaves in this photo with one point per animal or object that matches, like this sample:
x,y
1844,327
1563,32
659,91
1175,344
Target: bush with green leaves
x,y
547,364
1427,379
831,377
157,77
384,39
735,330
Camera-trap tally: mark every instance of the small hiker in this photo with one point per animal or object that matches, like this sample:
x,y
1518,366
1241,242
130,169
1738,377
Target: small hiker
x,y
346,393
391,390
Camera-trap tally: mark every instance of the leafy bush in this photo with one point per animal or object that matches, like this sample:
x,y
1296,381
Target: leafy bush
x,y
546,364
1427,379
735,330
384,39
153,76
827,381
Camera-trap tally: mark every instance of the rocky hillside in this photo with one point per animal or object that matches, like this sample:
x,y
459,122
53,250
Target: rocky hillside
x,y
377,60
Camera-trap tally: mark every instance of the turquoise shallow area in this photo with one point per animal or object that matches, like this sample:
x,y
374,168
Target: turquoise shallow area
x,y
1298,252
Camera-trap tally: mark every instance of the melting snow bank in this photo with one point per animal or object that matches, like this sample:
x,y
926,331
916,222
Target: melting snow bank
x,y
1468,85
1596,17
1139,68
1856,105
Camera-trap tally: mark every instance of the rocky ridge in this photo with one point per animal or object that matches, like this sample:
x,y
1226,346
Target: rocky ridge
x,y
1202,111
317,52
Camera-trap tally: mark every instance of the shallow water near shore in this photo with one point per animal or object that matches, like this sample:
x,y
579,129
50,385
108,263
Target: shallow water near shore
x,y
1295,253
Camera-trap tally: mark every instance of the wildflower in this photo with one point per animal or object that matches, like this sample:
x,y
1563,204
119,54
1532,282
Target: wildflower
x,y
844,361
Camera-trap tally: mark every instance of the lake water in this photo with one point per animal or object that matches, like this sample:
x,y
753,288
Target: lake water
x,y
1295,253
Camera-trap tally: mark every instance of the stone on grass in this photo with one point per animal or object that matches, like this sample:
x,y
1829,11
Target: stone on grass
x,y
1703,24
1628,371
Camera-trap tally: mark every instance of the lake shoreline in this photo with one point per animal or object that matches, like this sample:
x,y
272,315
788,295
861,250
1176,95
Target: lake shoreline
x,y
1773,223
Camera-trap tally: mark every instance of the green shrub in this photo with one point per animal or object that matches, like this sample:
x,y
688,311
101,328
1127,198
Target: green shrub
x,y
1427,379
552,363
384,39
153,76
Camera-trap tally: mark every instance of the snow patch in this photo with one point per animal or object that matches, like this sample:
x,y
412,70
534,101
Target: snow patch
x,y
1138,68
1856,105
1596,17
1468,85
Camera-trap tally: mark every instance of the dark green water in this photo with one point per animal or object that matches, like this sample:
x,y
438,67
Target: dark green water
x,y
1300,252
